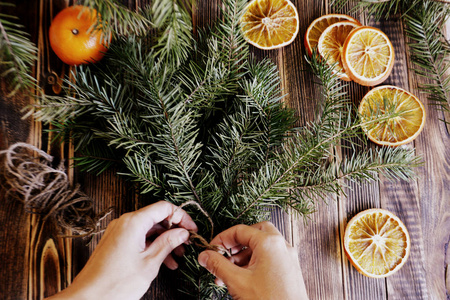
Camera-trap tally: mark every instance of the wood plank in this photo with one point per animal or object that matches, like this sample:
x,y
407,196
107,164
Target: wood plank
x,y
322,271
14,234
358,197
433,145
50,256
15,243
401,197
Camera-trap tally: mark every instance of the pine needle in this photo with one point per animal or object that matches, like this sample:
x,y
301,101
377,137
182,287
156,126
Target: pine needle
x,y
430,52
17,54
117,19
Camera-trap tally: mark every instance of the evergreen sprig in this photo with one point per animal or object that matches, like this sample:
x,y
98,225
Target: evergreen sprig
x,y
211,126
116,19
172,19
17,54
377,8
430,52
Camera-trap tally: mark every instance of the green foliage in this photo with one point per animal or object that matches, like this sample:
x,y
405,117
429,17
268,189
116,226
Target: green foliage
x,y
430,52
377,8
117,19
210,125
172,19
17,54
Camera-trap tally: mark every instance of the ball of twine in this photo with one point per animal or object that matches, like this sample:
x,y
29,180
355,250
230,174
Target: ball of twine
x,y
29,177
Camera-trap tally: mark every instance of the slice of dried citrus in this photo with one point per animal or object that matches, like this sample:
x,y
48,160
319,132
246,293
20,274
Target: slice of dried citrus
x,y
331,43
317,26
377,243
270,24
404,116
368,56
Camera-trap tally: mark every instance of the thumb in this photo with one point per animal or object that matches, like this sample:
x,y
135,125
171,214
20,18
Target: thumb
x,y
220,267
166,243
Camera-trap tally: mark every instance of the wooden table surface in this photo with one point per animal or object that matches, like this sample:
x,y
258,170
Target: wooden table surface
x,y
35,262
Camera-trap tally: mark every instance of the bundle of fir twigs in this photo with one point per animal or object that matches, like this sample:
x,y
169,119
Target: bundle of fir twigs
x,y
197,119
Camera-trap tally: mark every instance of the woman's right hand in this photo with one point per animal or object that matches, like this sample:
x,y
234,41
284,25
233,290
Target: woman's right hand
x,y
264,266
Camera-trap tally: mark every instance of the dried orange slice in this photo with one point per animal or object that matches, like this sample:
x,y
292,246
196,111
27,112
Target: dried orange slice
x,y
377,243
368,56
331,43
405,123
317,26
270,24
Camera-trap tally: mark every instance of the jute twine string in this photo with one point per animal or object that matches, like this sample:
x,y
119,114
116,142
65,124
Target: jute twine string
x,y
197,239
46,191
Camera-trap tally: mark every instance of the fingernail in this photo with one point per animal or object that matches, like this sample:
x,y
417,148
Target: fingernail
x,y
184,236
203,259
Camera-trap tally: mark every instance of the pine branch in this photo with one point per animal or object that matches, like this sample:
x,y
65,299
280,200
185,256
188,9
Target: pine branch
x,y
17,54
393,163
173,22
143,171
429,50
234,48
97,158
303,161
117,19
377,8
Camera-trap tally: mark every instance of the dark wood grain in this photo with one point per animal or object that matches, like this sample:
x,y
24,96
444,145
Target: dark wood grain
x,y
37,262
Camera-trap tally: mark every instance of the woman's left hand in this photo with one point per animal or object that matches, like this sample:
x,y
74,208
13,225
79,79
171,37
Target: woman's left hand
x,y
126,261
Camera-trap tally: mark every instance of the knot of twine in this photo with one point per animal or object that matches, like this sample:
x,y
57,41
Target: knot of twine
x,y
46,191
197,239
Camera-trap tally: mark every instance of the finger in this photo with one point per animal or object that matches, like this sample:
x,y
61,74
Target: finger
x,y
182,219
266,226
219,282
156,229
150,215
239,235
179,251
236,249
269,227
242,258
164,244
221,267
170,262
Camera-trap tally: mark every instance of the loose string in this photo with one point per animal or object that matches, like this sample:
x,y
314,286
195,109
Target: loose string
x,y
46,191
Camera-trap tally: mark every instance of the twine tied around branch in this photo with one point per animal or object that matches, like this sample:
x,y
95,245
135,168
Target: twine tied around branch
x,y
197,239
46,191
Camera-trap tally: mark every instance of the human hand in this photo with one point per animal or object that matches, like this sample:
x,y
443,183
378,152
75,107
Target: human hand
x,y
125,262
265,266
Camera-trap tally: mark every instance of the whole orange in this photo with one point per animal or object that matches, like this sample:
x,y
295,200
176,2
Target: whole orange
x,y
73,37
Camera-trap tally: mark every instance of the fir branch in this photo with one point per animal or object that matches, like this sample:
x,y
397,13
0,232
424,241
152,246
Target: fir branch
x,y
173,21
96,158
117,19
206,79
377,8
393,163
303,161
234,48
429,50
17,54
143,171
